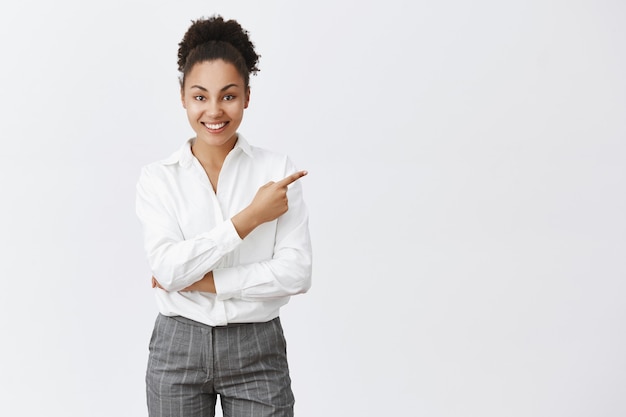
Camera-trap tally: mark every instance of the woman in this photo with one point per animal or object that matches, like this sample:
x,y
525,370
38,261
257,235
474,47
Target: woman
x,y
227,240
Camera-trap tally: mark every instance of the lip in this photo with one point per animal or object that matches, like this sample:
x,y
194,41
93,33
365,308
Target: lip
x,y
211,127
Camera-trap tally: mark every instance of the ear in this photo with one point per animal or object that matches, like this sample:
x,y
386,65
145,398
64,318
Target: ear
x,y
182,98
245,106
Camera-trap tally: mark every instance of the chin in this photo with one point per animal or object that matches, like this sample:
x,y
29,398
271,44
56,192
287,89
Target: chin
x,y
217,140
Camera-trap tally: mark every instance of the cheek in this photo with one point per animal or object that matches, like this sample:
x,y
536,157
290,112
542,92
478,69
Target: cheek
x,y
239,108
192,109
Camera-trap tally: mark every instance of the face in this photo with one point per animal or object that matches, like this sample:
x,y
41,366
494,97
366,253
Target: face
x,y
215,97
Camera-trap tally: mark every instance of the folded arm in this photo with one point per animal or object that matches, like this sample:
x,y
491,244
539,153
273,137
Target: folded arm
x,y
182,265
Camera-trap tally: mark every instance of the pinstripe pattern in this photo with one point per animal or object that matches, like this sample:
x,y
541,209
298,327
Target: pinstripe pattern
x,y
190,364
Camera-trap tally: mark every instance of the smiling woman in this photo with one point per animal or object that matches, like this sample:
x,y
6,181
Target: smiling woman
x,y
227,239
215,97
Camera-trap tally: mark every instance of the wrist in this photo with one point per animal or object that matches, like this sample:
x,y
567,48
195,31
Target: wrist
x,y
245,222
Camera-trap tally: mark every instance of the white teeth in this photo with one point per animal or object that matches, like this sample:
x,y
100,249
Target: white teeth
x,y
215,126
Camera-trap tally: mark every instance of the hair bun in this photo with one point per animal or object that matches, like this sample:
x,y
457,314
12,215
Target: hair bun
x,y
215,28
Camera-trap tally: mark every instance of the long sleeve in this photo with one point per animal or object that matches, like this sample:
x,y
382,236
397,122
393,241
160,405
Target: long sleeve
x,y
288,272
188,232
177,261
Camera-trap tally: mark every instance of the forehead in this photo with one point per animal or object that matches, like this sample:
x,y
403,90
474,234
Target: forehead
x,y
214,75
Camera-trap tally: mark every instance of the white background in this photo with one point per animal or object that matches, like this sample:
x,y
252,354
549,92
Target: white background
x,y
466,191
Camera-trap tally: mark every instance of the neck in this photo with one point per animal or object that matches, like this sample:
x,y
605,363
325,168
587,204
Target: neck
x,y
211,157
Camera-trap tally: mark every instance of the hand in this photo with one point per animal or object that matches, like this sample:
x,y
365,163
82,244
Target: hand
x,y
270,201
155,284
268,204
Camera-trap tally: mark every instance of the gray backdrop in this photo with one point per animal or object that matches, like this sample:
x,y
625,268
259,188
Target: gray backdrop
x,y
466,192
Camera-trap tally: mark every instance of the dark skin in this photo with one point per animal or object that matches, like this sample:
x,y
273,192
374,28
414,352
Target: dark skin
x,y
269,203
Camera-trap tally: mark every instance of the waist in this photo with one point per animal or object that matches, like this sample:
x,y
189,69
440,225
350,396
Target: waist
x,y
211,312
191,322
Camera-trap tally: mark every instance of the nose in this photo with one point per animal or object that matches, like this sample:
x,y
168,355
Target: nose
x,y
213,108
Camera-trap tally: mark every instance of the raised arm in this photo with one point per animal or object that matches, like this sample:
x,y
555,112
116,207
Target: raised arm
x,y
177,261
287,272
269,203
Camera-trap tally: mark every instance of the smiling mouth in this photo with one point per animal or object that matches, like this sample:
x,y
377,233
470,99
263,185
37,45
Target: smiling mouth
x,y
215,126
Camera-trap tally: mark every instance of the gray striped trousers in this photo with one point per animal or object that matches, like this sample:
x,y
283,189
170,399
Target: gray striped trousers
x,y
191,364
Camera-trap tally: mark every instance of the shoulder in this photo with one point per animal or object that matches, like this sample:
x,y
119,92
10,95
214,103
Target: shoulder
x,y
267,154
166,166
277,163
272,160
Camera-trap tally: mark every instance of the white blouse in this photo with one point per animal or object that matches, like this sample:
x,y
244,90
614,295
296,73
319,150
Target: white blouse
x,y
188,232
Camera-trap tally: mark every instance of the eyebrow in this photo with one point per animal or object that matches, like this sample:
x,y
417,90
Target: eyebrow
x,y
222,89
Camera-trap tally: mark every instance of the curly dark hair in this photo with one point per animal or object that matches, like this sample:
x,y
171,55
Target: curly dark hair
x,y
208,39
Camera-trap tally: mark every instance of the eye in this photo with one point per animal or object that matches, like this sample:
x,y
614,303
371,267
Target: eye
x,y
229,97
199,98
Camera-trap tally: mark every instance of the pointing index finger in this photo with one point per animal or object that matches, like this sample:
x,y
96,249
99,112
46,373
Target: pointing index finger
x,y
291,178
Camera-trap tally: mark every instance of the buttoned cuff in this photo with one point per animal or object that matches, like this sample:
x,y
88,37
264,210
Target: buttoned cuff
x,y
226,280
227,283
